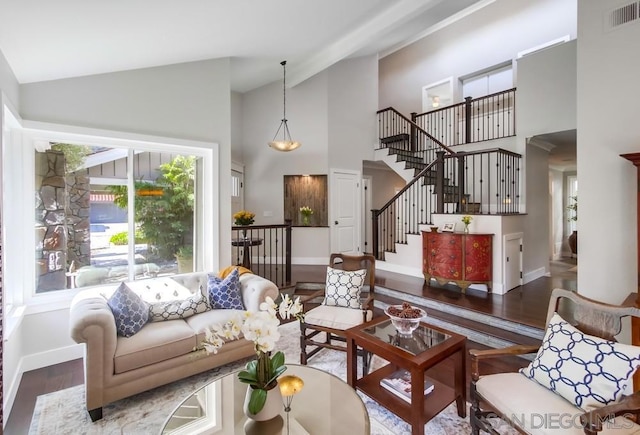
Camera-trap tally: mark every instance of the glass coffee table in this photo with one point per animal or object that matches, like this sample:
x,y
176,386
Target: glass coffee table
x,y
424,349
326,404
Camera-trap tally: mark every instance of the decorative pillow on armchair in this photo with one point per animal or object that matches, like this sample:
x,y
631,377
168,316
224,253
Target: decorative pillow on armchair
x,y
588,371
226,293
131,313
343,287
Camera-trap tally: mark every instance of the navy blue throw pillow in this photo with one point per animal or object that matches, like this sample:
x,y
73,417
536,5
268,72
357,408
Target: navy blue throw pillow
x,y
226,293
129,310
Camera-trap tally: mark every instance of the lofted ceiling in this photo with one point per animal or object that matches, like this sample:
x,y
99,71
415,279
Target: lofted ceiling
x,y
48,40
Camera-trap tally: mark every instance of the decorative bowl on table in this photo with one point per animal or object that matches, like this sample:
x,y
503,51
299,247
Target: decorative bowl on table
x,y
405,318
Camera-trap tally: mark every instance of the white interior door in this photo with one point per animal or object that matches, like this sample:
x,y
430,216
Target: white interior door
x,y
512,261
237,191
344,211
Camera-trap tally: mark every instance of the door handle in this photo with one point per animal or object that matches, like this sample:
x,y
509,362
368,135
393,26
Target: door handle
x,y
335,222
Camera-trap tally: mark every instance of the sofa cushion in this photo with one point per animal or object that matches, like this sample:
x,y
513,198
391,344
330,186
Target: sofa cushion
x,y
225,293
536,409
204,320
343,288
588,371
335,317
179,309
157,341
130,312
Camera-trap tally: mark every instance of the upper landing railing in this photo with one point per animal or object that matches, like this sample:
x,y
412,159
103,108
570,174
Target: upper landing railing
x,y
474,120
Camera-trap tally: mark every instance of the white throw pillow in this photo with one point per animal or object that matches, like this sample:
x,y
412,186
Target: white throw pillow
x,y
343,288
179,309
156,290
587,371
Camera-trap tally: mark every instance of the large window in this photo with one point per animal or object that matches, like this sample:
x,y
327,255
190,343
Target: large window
x,y
95,193
106,215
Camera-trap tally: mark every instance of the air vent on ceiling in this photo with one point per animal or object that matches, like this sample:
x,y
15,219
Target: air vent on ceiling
x,y
621,15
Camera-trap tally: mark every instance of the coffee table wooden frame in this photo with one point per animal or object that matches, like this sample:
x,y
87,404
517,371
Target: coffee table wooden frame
x,y
422,408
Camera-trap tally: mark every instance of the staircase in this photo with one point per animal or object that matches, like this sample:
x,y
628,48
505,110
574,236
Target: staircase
x,y
439,180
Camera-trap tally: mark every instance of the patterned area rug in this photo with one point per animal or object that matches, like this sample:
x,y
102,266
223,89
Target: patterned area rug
x,y
63,412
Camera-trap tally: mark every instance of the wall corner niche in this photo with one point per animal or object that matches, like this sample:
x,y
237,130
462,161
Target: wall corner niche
x,y
306,190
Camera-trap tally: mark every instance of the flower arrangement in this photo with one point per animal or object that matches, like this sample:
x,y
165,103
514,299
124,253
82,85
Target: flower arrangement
x,y
466,219
262,328
243,217
306,211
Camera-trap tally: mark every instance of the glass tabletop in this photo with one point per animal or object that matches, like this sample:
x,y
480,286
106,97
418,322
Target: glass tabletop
x,y
420,340
326,404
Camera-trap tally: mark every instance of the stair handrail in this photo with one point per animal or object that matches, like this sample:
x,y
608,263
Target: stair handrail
x,y
439,164
417,127
405,188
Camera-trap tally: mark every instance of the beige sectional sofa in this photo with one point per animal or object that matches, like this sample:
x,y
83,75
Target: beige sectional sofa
x,y
161,352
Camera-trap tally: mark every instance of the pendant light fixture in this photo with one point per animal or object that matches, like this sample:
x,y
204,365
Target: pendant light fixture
x,y
286,144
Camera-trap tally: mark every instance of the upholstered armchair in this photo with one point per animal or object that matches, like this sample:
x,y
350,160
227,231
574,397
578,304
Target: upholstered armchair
x,y
348,302
580,380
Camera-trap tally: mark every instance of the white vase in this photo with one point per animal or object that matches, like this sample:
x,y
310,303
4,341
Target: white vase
x,y
272,406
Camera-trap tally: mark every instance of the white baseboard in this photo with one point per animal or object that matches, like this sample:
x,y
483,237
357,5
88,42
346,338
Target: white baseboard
x,y
37,361
533,275
390,267
310,260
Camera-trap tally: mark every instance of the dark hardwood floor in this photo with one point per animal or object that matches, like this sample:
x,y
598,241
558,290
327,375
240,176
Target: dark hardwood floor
x,y
526,304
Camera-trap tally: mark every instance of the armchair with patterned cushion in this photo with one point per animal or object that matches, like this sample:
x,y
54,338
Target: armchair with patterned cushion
x,y
579,382
348,302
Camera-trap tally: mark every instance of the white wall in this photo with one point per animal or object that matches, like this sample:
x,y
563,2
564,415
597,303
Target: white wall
x,y
493,35
384,184
536,227
608,71
236,127
8,83
12,346
333,115
546,95
352,104
265,167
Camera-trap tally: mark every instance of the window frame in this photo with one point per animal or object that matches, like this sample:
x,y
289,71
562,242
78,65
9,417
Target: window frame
x,y
20,241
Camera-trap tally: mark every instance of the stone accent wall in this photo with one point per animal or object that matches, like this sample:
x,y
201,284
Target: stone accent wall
x,y
62,221
77,219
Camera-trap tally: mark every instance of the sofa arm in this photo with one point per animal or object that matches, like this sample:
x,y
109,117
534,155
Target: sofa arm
x,y
89,310
91,321
255,289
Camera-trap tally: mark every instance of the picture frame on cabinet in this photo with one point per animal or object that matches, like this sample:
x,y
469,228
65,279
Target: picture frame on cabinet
x,y
449,227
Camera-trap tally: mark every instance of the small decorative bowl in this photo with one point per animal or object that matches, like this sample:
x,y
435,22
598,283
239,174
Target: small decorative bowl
x,y
404,325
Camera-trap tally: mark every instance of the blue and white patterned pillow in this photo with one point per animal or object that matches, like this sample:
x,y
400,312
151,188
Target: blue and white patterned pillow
x,y
129,310
588,371
343,288
225,293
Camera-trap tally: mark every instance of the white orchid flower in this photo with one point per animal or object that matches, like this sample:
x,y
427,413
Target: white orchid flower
x,y
268,305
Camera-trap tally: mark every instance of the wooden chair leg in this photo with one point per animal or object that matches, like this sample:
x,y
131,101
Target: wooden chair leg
x,y
303,344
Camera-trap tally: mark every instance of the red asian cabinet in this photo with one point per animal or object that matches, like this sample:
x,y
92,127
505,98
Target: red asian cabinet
x,y
461,258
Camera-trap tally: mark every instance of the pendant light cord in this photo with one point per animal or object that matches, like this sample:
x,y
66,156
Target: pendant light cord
x,y
284,89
